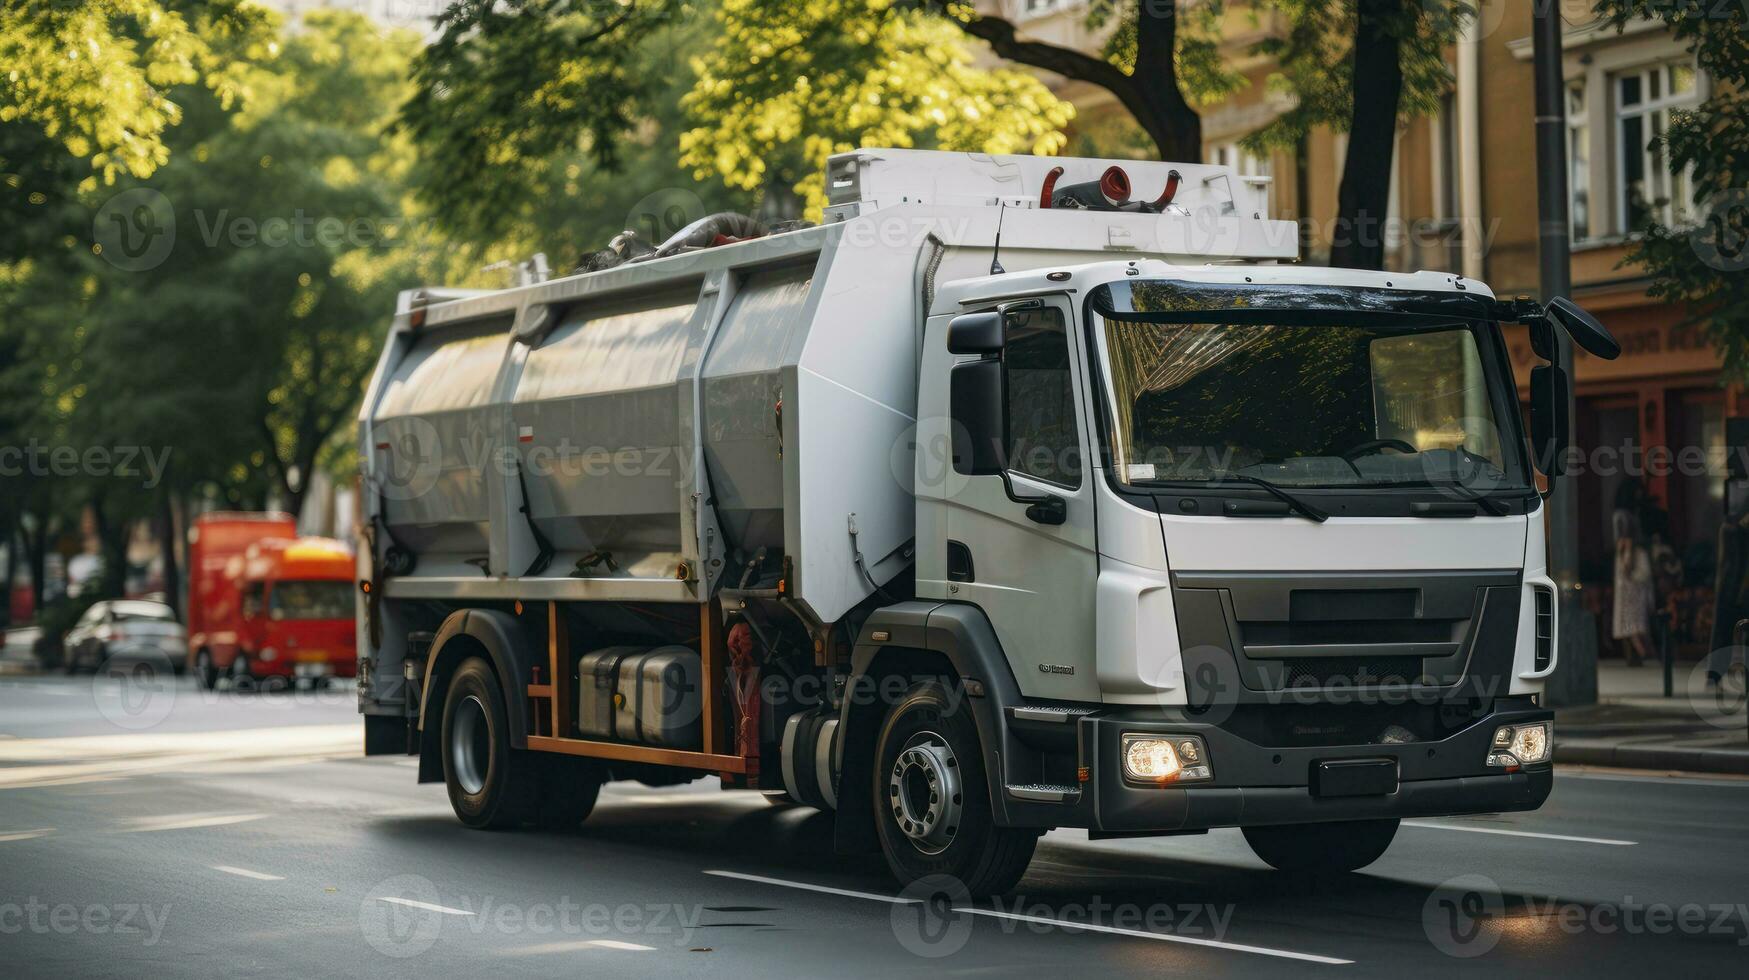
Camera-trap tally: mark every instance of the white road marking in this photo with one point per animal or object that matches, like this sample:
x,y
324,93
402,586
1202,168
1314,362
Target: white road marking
x,y
25,834
427,906
187,821
246,873
574,946
1161,936
1519,833
804,886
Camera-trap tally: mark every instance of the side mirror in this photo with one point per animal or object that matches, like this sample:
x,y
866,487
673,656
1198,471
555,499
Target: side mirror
x,y
1584,328
1549,422
978,401
977,333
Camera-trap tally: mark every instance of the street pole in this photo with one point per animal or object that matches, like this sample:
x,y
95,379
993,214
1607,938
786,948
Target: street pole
x,y
1575,678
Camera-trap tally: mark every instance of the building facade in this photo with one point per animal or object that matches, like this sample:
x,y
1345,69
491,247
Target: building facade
x,y
1463,199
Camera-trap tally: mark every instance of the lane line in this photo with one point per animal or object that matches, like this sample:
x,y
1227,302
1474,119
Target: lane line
x,y
1520,833
574,946
1162,937
246,873
25,834
188,821
804,886
1090,927
427,906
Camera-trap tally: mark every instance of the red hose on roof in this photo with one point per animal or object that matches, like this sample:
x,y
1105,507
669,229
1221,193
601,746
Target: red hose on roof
x,y
1044,196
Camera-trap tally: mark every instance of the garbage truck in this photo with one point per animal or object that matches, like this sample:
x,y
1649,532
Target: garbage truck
x,y
1019,493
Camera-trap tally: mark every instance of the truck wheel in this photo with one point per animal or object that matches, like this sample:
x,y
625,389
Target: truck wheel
x,y
485,787
568,790
204,671
1322,847
932,805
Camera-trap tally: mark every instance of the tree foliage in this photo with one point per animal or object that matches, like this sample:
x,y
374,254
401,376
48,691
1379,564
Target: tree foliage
x,y
1705,269
790,82
509,90
95,76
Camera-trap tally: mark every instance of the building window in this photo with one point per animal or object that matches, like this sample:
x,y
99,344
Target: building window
x,y
1648,192
1579,161
1230,154
1030,9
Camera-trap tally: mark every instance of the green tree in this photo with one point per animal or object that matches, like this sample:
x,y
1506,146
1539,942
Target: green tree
x,y
1162,60
1705,269
86,90
1363,67
790,82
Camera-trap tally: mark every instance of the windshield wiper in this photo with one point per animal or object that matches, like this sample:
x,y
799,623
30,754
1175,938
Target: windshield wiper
x,y
1474,496
1295,504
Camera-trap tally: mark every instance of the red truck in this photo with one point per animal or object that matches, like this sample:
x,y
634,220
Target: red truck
x,y
264,603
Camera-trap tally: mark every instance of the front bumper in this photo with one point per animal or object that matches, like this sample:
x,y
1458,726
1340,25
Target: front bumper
x,y
1256,784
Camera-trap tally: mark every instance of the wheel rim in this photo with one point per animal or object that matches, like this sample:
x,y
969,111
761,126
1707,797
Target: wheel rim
x,y
470,745
924,792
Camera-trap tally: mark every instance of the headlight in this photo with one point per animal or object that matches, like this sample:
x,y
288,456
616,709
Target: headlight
x,y
1165,759
1521,745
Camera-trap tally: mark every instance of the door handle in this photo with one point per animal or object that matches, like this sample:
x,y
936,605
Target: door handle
x,y
1049,509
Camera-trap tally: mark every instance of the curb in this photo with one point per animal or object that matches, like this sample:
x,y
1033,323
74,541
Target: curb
x,y
1604,753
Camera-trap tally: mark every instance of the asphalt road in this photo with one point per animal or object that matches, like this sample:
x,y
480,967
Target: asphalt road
x,y
244,835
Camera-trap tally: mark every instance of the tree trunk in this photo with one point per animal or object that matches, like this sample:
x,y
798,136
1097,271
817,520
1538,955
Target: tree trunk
x,y
36,547
1151,94
1358,239
167,549
9,525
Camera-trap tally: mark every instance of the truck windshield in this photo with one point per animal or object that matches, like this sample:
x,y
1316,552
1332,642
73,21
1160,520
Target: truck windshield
x,y
321,599
1322,405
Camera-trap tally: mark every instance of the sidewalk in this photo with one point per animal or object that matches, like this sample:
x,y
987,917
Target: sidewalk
x,y
1633,726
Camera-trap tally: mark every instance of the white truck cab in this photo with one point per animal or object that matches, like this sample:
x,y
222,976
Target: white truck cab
x,y
997,503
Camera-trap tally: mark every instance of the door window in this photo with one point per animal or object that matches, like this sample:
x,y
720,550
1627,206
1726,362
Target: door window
x,y
1042,438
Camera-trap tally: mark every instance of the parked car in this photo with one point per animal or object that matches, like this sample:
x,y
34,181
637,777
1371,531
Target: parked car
x,y
132,630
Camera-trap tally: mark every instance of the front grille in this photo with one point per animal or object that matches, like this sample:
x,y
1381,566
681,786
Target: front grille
x,y
1352,672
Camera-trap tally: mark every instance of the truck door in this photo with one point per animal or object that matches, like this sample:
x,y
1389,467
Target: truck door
x,y
1035,580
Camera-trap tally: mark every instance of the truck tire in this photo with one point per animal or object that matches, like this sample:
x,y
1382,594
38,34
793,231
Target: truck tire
x,y
568,790
1331,848
488,786
932,805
